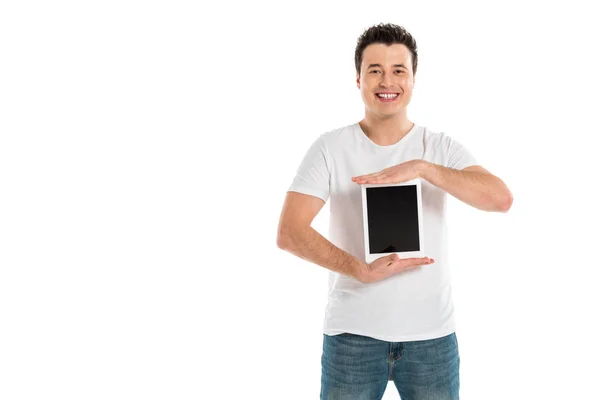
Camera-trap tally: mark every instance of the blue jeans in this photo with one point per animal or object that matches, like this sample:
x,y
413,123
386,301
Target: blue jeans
x,y
355,367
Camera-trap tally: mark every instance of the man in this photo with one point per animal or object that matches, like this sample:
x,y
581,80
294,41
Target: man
x,y
391,319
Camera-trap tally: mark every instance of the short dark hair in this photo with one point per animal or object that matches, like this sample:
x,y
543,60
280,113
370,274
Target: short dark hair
x,y
387,34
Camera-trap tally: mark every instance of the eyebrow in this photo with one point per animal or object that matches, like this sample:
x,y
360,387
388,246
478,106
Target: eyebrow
x,y
379,65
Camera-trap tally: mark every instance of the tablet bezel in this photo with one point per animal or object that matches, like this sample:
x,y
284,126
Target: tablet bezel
x,y
369,257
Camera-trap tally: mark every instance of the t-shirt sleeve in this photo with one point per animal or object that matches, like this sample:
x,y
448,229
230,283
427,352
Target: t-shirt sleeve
x,y
457,156
313,174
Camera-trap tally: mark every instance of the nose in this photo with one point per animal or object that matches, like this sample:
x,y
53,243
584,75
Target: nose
x,y
386,80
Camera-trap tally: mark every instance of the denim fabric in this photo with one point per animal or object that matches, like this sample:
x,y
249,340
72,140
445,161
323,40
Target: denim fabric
x,y
355,367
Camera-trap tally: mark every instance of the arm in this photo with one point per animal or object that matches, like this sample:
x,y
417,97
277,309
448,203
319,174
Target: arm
x,y
296,236
473,185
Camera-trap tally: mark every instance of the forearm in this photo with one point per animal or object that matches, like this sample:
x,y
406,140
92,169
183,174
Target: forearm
x,y
310,245
480,190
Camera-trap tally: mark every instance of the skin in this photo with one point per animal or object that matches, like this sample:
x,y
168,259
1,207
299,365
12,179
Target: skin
x,y
385,124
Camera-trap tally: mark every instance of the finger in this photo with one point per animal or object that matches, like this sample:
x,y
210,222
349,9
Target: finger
x,y
370,178
381,179
413,266
367,176
417,261
405,267
362,180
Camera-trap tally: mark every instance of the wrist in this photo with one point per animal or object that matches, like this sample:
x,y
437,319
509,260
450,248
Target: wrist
x,y
423,168
360,271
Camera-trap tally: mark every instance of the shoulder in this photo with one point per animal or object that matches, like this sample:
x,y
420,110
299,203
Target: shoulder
x,y
338,138
324,145
438,139
337,135
441,141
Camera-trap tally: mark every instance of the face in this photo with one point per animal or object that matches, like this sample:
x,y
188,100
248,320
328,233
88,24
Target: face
x,y
386,79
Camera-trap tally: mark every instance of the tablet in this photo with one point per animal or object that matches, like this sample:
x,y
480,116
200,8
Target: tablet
x,y
393,219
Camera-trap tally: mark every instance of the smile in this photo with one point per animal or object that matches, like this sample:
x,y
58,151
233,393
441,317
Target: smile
x,y
387,97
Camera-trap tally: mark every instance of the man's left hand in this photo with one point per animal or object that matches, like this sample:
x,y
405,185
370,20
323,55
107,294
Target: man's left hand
x,y
398,173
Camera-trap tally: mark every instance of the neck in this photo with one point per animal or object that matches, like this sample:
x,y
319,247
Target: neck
x,y
386,131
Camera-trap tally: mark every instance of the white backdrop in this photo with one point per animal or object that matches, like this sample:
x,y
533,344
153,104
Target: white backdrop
x,y
146,149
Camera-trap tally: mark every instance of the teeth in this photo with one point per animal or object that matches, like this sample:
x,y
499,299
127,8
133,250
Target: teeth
x,y
387,96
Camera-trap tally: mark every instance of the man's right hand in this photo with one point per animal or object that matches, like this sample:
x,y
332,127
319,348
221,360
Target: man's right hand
x,y
387,266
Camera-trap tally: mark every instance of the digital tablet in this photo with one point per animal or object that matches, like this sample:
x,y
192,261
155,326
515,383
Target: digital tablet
x,y
393,219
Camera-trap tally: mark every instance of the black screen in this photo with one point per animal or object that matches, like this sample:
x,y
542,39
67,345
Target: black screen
x,y
393,219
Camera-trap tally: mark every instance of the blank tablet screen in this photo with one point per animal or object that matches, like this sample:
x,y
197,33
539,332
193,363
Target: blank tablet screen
x,y
393,219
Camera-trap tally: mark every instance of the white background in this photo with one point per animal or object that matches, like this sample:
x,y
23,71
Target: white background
x,y
146,149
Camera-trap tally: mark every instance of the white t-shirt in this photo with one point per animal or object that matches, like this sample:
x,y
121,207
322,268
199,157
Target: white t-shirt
x,y
412,305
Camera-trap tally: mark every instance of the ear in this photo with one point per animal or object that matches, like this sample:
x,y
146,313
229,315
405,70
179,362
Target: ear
x,y
358,80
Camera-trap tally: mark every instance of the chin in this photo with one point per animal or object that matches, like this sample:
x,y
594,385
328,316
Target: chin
x,y
392,113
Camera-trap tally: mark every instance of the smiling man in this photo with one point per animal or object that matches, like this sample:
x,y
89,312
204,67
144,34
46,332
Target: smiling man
x,y
391,319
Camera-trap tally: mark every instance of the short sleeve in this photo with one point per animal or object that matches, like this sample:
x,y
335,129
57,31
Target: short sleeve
x,y
313,174
456,155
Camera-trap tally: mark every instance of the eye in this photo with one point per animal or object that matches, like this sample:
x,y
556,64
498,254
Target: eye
x,y
374,71
400,71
